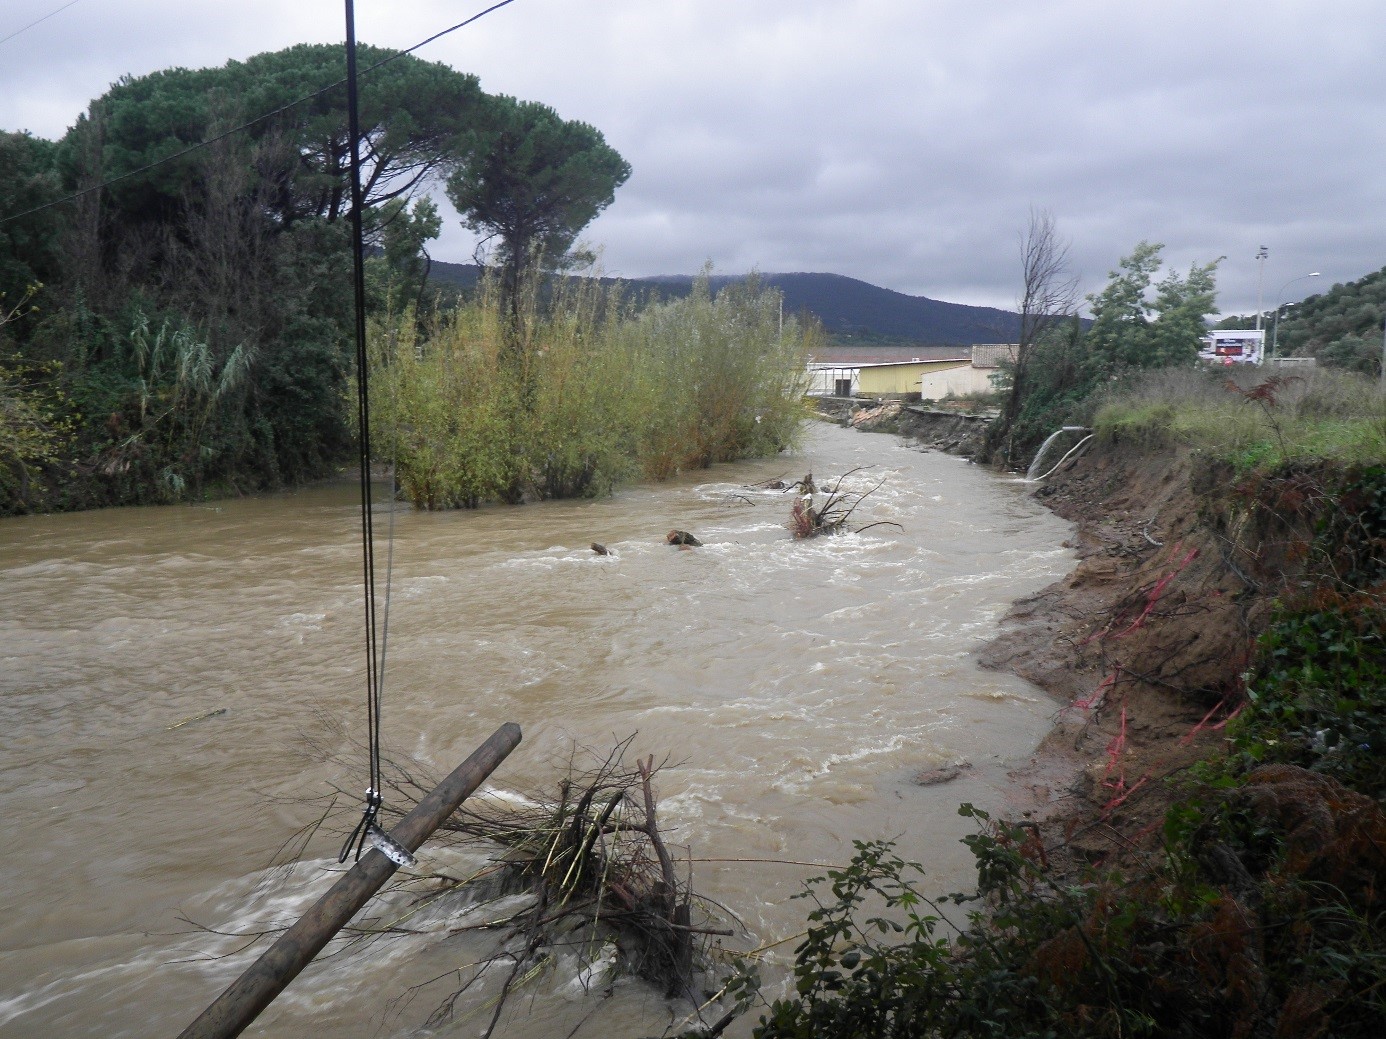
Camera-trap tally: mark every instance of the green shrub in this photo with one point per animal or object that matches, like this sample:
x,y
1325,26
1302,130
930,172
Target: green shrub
x,y
582,392
1231,934
1318,691
439,408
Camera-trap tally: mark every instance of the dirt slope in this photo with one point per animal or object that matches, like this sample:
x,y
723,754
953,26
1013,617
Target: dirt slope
x,y
1143,645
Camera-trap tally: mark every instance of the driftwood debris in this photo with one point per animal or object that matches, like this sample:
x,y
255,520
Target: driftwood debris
x,y
808,519
775,484
600,878
242,1002
575,883
942,774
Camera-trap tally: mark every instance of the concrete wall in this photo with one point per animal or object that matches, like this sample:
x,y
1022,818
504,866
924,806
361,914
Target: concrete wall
x,y
958,381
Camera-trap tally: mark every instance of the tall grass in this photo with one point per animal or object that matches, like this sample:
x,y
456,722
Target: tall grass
x,y
584,391
1251,416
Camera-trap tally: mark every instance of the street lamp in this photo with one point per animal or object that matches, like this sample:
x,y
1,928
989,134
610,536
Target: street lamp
x,y
1275,328
1261,255
1278,297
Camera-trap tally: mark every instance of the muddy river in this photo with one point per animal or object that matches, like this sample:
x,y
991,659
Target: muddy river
x,y
797,687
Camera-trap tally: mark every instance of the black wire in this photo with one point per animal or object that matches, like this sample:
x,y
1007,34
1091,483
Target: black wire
x,y
357,838
459,25
36,21
247,125
364,420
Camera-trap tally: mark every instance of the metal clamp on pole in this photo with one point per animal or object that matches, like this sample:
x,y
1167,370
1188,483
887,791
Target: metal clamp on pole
x,y
268,976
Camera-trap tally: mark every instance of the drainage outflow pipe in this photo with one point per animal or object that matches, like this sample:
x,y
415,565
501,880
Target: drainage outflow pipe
x,y
1034,464
1072,451
268,976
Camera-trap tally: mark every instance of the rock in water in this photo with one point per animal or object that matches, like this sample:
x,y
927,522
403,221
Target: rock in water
x,y
934,776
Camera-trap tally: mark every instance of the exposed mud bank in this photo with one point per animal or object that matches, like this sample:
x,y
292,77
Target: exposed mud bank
x,y
1143,645
943,429
1134,893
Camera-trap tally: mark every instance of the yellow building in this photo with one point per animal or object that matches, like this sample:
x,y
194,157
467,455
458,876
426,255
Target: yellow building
x,y
901,378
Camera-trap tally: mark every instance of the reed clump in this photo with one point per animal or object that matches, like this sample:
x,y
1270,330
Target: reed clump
x,y
578,389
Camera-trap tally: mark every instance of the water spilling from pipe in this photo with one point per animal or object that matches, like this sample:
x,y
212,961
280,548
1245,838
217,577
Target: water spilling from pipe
x,y
1044,447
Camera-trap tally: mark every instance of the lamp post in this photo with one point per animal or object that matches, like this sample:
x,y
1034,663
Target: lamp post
x,y
1275,327
1278,297
1261,255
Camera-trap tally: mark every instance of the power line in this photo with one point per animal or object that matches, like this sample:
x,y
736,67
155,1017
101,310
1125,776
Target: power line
x,y
36,21
247,125
374,685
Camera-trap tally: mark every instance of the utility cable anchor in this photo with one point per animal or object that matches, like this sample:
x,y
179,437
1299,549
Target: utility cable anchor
x,y
389,847
358,836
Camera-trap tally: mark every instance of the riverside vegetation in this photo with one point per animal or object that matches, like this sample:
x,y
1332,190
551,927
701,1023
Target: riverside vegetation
x,y
175,271
178,326
584,392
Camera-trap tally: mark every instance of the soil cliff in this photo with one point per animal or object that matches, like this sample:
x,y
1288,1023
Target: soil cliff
x,y
1145,644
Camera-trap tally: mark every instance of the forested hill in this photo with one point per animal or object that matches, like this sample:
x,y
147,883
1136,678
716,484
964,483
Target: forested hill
x,y
1342,327
852,311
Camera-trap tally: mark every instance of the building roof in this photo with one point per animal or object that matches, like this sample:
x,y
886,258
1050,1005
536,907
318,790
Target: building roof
x,y
990,355
853,356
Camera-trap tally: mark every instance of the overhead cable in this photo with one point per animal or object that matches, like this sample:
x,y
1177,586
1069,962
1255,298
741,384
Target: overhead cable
x,y
36,21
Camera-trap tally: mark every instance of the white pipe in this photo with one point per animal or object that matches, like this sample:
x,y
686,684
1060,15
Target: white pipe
x,y
1045,447
1071,451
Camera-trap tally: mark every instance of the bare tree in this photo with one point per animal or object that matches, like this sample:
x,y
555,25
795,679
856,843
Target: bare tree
x,y
1049,295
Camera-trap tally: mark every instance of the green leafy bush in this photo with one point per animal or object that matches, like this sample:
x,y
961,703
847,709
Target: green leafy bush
x,y
1319,691
1237,932
582,391
883,974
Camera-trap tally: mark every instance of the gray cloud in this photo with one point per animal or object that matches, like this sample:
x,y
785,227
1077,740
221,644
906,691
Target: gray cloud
x,y
898,141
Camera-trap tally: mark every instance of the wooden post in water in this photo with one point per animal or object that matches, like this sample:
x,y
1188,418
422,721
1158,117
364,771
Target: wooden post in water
x,y
268,976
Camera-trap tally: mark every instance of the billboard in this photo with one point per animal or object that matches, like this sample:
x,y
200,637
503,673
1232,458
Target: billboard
x,y
1234,346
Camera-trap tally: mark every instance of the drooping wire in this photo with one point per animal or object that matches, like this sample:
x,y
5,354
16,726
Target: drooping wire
x,y
190,149
363,418
37,21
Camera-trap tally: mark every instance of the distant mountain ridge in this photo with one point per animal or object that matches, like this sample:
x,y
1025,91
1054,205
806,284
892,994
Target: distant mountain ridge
x,y
852,311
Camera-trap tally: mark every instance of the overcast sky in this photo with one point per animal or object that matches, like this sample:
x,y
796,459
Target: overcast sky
x,y
902,142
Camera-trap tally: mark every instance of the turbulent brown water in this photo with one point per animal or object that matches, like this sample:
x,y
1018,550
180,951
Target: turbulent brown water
x,y
798,685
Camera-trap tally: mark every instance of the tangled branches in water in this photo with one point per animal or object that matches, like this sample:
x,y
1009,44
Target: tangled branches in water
x,y
590,870
808,519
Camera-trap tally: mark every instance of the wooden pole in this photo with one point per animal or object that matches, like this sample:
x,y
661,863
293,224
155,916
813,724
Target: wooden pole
x,y
268,976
